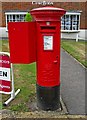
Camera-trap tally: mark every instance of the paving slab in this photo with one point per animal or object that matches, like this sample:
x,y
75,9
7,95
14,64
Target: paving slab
x,y
72,84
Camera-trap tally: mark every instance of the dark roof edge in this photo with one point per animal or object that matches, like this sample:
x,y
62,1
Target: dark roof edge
x,y
16,10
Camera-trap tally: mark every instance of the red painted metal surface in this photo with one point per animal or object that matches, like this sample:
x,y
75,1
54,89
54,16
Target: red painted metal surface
x,y
48,45
5,81
47,13
22,42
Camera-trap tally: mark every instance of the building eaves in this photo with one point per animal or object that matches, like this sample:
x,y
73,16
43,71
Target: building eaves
x,y
16,10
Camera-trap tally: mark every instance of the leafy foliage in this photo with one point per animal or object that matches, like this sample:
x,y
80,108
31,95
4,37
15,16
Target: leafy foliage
x,y
28,17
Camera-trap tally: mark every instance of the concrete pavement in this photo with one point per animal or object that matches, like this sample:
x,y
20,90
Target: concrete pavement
x,y
72,84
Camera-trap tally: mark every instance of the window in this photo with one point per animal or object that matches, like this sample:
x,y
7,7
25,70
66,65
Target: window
x,y
70,22
14,17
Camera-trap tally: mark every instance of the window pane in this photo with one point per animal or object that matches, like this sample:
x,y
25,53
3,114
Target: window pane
x,y
74,18
68,23
17,18
21,17
13,18
10,17
74,27
7,18
66,18
74,22
62,22
62,27
62,18
67,27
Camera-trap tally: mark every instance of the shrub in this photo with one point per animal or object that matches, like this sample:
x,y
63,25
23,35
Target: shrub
x,y
28,17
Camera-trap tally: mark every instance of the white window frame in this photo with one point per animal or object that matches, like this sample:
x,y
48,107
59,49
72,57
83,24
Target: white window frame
x,y
72,13
13,13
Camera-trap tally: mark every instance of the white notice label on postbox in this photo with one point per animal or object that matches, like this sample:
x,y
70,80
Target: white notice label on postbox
x,y
48,42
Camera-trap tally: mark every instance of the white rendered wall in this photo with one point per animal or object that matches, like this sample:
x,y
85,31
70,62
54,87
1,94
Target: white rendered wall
x,y
72,35
3,33
83,34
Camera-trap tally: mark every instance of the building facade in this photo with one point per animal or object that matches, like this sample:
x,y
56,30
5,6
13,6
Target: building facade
x,y
73,23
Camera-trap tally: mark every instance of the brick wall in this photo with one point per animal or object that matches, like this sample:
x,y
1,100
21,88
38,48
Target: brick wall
x,y
0,13
28,6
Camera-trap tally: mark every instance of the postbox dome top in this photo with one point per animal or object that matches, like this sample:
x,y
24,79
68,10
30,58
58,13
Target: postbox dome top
x,y
48,8
47,13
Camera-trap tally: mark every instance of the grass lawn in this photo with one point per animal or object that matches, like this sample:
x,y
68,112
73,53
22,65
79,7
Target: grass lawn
x,y
25,79
25,75
76,49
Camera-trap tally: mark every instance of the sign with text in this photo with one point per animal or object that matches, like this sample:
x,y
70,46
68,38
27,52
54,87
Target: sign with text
x,y
48,42
5,80
42,2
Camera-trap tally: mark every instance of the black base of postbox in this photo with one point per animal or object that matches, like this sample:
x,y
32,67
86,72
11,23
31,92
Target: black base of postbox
x,y
48,98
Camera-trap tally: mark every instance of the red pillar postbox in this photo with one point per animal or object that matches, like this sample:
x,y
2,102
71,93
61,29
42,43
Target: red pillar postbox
x,y
48,21
40,41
